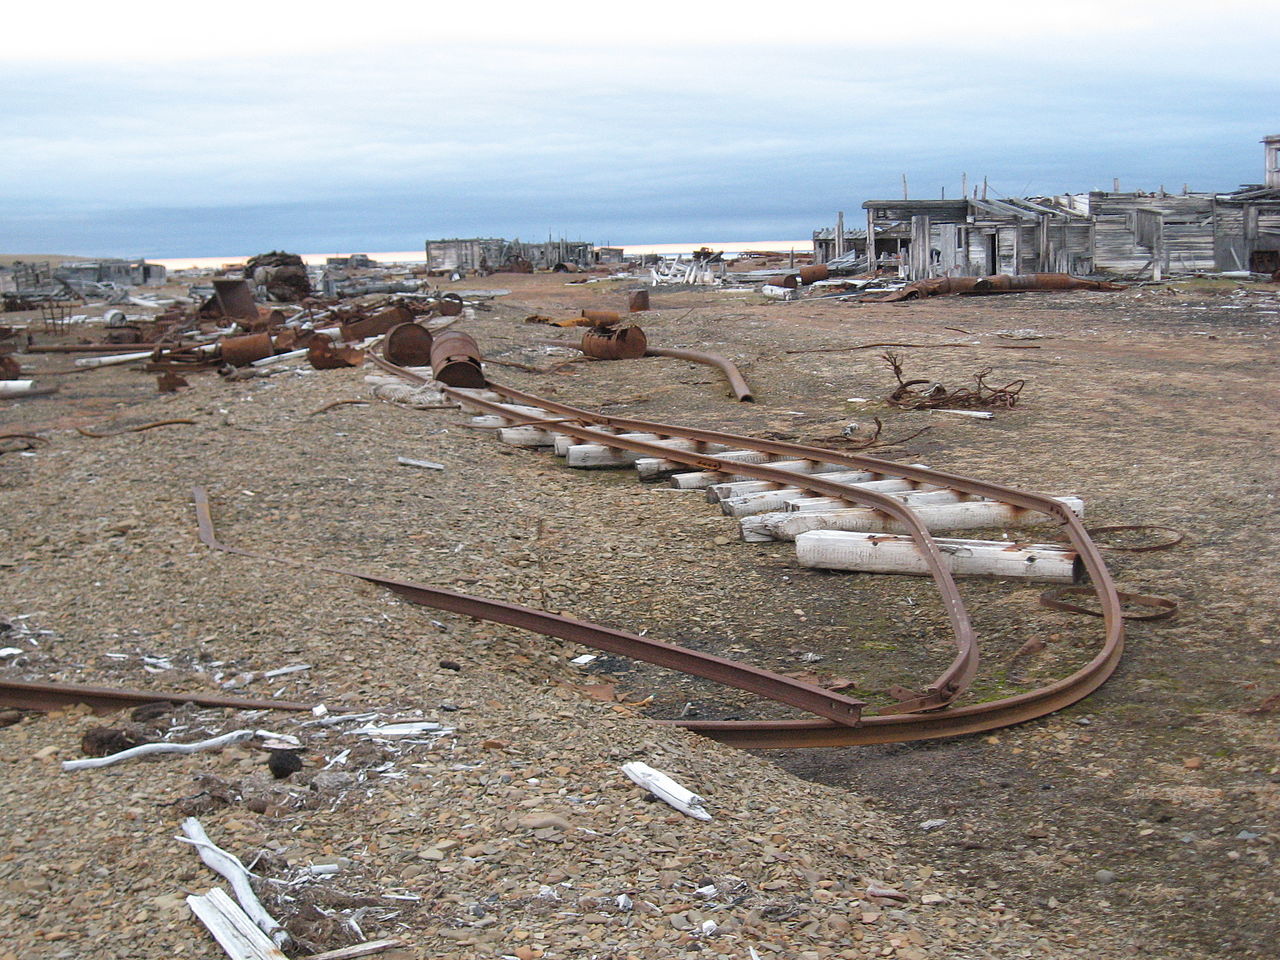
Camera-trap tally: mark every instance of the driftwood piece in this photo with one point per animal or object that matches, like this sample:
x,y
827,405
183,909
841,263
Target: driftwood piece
x,y
230,867
357,950
666,789
146,749
232,928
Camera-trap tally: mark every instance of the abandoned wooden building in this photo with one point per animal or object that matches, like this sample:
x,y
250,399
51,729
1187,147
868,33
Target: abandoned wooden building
x,y
1133,234
491,254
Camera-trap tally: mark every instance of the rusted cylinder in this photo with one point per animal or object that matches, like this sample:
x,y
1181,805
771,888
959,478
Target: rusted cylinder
x,y
408,345
726,366
639,301
619,343
814,273
455,360
241,351
788,280
602,318
450,305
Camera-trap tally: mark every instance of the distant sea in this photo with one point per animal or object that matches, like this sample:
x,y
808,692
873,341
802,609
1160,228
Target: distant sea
x,y
419,256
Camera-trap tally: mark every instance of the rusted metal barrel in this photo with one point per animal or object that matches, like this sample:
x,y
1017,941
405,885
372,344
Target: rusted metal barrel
x,y
639,301
602,318
814,273
241,351
455,360
450,305
617,343
788,280
408,345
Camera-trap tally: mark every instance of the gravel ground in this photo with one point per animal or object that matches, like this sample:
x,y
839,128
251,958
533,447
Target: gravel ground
x,y
1144,819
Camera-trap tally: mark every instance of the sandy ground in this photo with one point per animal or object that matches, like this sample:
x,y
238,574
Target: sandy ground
x,y
1141,820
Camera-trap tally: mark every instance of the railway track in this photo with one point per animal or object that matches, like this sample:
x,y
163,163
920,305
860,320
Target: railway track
x,y
709,457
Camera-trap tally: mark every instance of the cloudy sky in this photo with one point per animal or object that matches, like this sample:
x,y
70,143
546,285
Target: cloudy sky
x,y
161,130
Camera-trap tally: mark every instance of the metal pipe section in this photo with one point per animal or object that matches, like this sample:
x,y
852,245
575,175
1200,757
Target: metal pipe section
x,y
726,366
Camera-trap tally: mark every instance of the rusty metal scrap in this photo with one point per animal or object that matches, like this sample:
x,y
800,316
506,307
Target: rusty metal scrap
x,y
814,273
455,360
242,351
53,696
928,394
614,343
998,283
602,318
1004,283
137,429
324,354
408,345
232,299
638,301
726,366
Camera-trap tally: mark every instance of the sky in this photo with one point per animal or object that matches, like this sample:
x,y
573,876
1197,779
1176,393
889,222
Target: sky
x,y
168,130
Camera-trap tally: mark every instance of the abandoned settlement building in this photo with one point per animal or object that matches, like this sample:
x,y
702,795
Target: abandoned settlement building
x,y
1132,234
490,254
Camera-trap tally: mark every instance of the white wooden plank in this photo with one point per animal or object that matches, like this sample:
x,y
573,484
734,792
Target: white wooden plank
x,y
891,553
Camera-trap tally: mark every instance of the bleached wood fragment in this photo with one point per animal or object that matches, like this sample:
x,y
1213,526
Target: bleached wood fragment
x,y
424,464
723,491
892,553
147,749
960,515
975,414
18,388
666,789
648,467
407,729
598,455
365,949
230,867
232,928
526,437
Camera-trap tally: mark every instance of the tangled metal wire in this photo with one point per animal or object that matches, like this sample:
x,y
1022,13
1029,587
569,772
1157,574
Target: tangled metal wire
x,y
927,394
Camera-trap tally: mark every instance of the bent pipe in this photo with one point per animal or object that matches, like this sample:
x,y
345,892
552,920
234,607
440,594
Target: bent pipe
x,y
726,366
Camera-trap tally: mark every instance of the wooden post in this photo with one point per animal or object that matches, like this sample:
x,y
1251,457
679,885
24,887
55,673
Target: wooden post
x,y
904,187
839,248
871,241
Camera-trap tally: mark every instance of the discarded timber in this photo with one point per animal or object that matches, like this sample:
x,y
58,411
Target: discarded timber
x,y
891,553
963,515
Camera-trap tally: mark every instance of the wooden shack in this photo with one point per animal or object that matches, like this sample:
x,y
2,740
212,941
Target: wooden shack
x,y
974,237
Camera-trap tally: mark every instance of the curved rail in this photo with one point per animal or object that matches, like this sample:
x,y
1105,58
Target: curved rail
x,y
889,727
839,722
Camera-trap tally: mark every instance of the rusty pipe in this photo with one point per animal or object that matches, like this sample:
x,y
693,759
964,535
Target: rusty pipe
x,y
726,366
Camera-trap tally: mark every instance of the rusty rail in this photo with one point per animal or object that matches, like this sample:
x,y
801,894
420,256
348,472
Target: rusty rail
x,y
836,708
51,696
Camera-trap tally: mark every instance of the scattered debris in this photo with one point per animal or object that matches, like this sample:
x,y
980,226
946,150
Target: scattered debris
x,y
424,464
230,867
